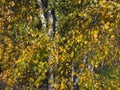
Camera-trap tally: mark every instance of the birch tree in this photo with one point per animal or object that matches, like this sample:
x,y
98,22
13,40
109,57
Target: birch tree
x,y
60,44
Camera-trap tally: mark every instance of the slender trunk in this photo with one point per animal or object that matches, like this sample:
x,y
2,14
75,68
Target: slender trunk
x,y
49,22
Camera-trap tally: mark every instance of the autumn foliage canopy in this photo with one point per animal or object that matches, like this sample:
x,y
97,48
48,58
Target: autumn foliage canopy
x,y
60,44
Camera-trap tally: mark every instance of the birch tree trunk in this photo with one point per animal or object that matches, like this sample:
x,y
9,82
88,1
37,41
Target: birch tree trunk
x,y
49,23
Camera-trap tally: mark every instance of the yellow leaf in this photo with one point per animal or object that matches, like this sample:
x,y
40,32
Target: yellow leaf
x,y
110,30
3,1
72,54
106,26
112,36
12,3
102,2
82,65
85,42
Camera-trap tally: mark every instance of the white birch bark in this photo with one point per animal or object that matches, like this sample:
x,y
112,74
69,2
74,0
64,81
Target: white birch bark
x,y
48,21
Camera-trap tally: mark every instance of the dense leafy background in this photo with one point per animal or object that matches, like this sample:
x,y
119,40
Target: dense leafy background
x,y
77,49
